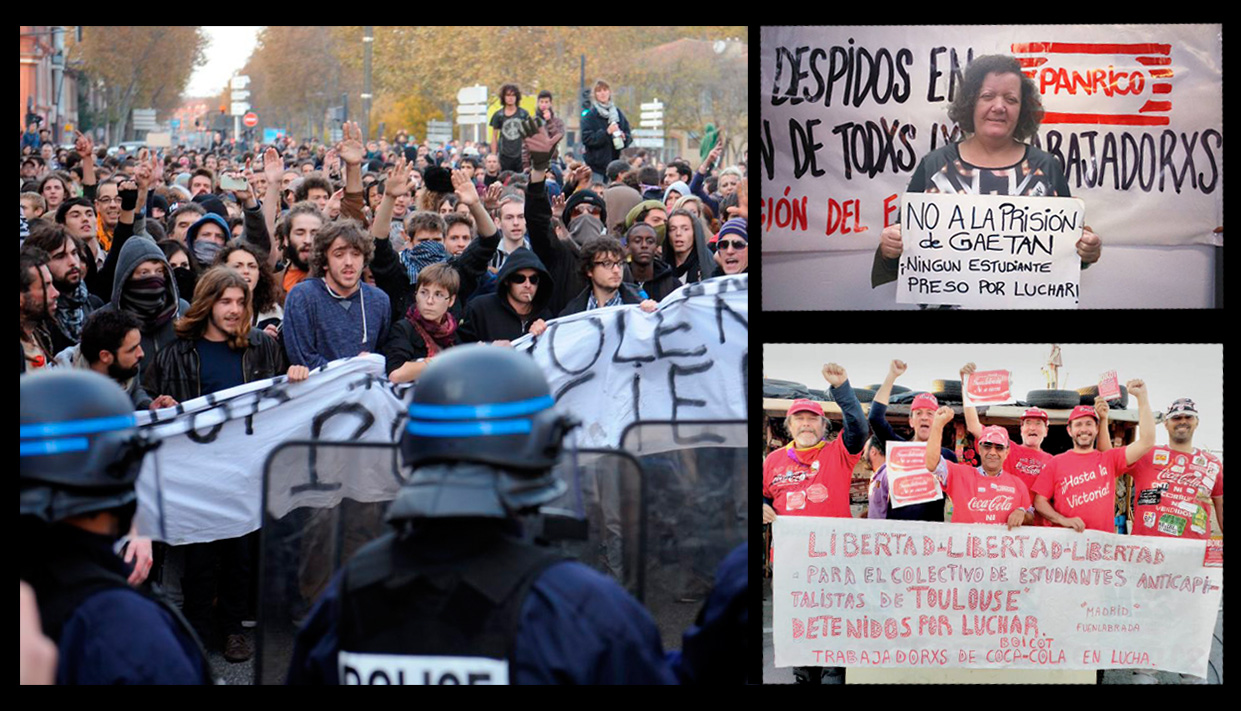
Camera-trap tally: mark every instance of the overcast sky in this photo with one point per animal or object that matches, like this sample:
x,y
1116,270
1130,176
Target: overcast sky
x,y
228,51
1169,370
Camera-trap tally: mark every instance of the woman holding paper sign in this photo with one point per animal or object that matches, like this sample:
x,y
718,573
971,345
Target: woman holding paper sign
x,y
985,494
998,107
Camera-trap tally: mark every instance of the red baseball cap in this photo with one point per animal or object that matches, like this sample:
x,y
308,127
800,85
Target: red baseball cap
x,y
1035,413
1084,411
924,401
995,435
804,405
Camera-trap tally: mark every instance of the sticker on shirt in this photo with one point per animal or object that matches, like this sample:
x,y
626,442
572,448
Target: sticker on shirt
x,y
1161,457
1149,497
403,669
1172,525
1148,519
1200,522
1214,557
795,500
817,493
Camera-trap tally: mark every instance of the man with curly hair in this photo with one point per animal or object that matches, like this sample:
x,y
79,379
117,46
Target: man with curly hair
x,y
333,314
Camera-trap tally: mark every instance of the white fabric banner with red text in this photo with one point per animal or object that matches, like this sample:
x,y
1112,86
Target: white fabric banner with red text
x,y
1134,117
857,592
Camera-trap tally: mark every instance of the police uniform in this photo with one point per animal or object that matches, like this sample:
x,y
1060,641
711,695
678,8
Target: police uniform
x,y
80,454
453,595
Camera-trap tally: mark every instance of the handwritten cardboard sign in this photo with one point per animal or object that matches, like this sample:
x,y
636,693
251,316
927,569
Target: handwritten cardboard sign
x,y
1109,386
908,480
857,592
990,251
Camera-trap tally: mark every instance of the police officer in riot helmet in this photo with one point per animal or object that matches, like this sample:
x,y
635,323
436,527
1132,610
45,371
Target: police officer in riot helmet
x,y
454,595
80,456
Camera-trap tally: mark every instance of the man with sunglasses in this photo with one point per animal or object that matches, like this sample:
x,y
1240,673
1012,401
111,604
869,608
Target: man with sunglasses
x,y
602,259
984,494
518,306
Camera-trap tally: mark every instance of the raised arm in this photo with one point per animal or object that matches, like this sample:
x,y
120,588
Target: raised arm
x,y
273,168
972,423
1103,440
395,186
1146,423
895,370
935,440
854,434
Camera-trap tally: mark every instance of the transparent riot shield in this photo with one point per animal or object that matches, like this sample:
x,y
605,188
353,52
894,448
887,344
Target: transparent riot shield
x,y
321,503
695,507
598,520
324,501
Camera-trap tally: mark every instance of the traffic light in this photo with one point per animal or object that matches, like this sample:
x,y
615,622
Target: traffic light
x,y
586,101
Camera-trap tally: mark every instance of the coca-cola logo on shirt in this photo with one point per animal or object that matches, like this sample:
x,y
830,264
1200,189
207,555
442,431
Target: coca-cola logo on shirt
x,y
788,477
1032,467
1185,478
999,503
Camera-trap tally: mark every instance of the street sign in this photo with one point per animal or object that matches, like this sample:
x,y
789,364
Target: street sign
x,y
476,94
648,133
144,120
250,120
239,108
439,131
240,81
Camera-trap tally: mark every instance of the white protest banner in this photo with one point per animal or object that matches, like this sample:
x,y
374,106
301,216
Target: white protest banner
x,y
986,387
857,592
990,251
686,361
909,482
1109,385
204,482
1133,116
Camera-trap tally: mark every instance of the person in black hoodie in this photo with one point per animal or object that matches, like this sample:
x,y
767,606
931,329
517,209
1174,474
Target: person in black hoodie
x,y
519,306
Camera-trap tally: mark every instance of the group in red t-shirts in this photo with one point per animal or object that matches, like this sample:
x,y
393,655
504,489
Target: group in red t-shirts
x,y
983,494
1078,488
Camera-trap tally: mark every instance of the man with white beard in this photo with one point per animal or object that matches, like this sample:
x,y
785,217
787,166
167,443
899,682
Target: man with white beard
x,y
811,476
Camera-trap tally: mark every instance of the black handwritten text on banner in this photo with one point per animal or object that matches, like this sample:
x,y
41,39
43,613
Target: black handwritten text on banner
x,y
990,251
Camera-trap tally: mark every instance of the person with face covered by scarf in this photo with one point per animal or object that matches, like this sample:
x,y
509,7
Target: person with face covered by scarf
x,y
206,237
143,286
585,214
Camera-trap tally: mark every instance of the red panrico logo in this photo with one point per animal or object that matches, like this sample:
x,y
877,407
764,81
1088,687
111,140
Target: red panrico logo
x,y
1099,83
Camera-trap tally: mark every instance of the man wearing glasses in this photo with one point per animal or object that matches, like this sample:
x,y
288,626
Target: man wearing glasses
x,y
601,260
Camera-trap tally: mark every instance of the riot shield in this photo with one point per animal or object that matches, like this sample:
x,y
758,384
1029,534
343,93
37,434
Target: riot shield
x,y
324,501
598,520
321,502
695,509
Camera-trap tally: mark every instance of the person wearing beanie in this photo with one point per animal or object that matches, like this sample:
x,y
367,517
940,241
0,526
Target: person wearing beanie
x,y
731,253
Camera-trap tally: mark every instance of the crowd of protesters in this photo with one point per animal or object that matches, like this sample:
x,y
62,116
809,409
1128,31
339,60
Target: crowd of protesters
x,y
183,272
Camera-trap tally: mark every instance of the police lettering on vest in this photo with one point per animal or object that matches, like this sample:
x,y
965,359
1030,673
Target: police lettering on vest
x,y
401,669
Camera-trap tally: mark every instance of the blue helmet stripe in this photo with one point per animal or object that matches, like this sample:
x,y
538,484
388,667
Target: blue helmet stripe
x,y
468,429
78,427
480,412
54,446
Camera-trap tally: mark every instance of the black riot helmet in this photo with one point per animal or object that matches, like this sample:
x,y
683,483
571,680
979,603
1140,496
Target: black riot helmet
x,y
81,450
482,437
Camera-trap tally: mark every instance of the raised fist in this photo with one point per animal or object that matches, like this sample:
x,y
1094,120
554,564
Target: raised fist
x,y
944,415
897,369
835,374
